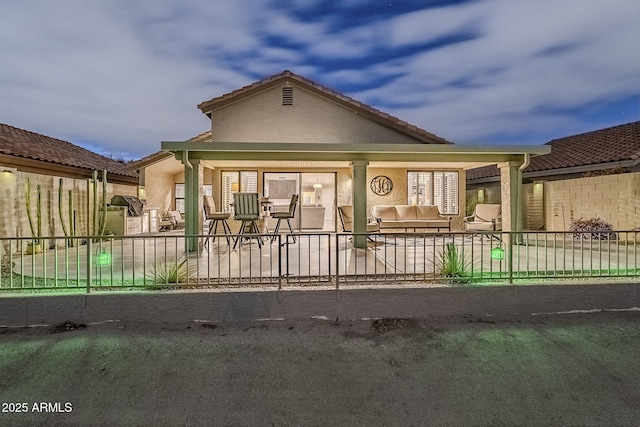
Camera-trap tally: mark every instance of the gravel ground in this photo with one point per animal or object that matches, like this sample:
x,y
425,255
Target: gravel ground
x,y
577,369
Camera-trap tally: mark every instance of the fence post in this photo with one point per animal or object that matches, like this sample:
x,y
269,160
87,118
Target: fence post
x,y
279,261
510,256
337,260
89,264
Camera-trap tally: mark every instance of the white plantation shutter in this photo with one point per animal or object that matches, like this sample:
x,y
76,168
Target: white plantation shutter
x,y
234,182
434,188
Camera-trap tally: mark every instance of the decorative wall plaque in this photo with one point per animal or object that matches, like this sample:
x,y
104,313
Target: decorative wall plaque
x,y
381,185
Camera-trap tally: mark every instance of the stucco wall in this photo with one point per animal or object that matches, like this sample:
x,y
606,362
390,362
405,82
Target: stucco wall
x,y
311,119
159,186
14,221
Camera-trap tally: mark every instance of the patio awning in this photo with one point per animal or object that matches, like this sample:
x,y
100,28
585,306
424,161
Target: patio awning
x,y
471,155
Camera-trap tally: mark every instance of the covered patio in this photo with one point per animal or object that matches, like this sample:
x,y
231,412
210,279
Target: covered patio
x,y
361,161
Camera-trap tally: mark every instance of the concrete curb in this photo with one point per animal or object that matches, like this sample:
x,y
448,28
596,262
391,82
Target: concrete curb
x,y
232,306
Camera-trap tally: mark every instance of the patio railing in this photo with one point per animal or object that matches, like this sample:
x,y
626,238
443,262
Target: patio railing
x,y
160,261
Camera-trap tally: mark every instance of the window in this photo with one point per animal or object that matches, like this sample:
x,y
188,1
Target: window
x,y
434,188
179,193
234,182
179,196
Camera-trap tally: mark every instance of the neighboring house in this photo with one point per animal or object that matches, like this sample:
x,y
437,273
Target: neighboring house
x,y
594,174
285,133
43,160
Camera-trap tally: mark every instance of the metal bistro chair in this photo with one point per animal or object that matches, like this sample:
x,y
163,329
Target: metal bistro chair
x,y
246,207
289,214
214,218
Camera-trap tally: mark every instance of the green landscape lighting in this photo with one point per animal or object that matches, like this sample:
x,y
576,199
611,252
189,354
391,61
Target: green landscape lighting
x,y
497,253
103,258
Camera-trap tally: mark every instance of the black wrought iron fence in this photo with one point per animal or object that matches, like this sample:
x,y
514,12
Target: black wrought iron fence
x,y
313,259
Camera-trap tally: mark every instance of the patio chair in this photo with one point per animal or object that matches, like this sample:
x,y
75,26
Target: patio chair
x,y
486,217
287,215
246,207
165,223
176,218
346,220
215,218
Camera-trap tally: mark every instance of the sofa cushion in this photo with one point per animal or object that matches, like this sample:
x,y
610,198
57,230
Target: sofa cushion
x,y
483,226
385,212
428,212
406,212
391,224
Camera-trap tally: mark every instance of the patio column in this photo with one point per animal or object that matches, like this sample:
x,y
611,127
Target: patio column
x,y
193,200
359,168
510,179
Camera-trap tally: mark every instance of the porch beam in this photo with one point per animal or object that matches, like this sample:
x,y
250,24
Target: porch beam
x,y
348,151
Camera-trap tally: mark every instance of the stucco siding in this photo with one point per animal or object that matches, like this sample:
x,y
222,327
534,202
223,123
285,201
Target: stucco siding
x,y
159,186
311,119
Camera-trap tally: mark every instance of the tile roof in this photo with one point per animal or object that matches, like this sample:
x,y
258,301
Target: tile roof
x,y
603,146
29,145
388,120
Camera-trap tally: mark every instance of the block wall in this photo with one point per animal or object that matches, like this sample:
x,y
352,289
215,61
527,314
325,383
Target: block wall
x,y
614,198
14,220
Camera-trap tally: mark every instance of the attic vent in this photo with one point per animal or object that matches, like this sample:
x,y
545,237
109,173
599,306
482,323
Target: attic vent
x,y
287,95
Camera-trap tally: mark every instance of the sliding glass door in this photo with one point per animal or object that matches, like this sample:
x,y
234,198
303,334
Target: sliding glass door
x,y
317,191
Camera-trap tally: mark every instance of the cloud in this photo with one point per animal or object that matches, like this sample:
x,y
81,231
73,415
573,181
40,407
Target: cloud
x,y
502,82
123,76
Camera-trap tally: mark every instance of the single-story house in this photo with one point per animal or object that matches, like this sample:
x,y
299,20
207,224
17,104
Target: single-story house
x,y
590,175
285,133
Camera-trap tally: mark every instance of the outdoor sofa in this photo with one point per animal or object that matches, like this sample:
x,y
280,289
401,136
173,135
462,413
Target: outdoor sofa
x,y
409,216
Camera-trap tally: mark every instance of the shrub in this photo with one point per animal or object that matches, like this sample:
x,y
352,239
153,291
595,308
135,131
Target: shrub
x,y
453,264
171,272
592,229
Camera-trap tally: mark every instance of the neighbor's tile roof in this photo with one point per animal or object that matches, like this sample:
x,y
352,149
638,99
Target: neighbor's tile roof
x,y
615,144
30,145
394,122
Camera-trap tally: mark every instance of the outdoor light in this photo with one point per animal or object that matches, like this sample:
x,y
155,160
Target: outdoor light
x,y
317,185
103,258
497,252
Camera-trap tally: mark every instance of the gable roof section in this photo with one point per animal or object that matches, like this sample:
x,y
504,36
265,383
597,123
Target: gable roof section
x,y
383,118
613,146
15,142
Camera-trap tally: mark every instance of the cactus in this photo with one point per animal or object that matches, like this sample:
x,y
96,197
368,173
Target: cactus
x,y
94,186
70,233
36,229
99,215
103,211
